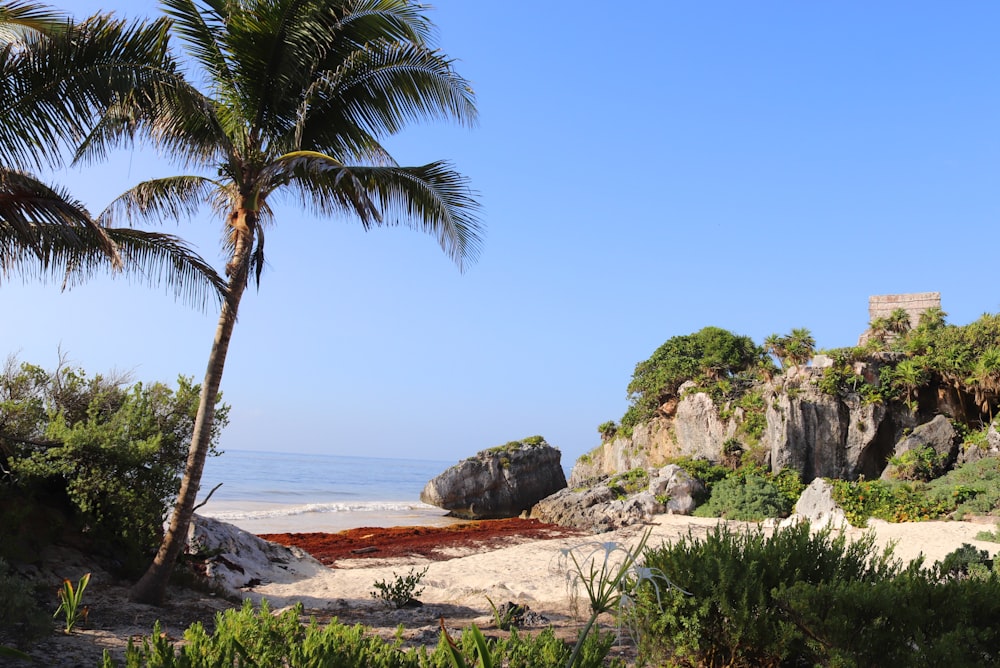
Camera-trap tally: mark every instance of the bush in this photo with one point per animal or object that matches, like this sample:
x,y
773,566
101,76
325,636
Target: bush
x,y
922,464
712,354
752,498
912,619
723,611
112,453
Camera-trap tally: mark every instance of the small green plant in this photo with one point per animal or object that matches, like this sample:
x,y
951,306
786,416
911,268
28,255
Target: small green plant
x,y
504,616
990,536
630,482
459,658
402,591
746,498
70,602
609,574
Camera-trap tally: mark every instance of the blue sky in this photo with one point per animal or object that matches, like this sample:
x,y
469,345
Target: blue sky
x,y
645,170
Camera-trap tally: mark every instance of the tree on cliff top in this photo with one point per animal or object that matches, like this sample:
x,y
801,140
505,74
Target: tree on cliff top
x,y
298,96
710,354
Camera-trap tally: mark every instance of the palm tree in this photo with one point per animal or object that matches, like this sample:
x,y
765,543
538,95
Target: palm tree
x,y
800,346
775,345
56,79
898,322
298,95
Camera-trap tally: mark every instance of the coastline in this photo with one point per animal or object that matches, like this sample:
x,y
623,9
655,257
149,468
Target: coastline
x,y
262,517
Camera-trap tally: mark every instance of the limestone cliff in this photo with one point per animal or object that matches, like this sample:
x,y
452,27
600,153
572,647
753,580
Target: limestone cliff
x,y
799,427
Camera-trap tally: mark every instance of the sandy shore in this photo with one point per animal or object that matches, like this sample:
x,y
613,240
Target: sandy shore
x,y
524,570
530,572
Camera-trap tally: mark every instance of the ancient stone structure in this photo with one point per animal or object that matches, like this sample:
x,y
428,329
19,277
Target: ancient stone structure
x,y
914,303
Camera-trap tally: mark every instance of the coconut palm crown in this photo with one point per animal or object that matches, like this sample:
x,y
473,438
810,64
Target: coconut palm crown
x,y
295,96
57,78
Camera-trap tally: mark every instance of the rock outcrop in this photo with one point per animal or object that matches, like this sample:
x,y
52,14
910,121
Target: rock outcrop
x,y
816,505
938,434
990,449
608,505
236,560
499,482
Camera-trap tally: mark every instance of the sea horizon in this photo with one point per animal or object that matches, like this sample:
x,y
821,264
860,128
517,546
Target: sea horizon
x,y
294,492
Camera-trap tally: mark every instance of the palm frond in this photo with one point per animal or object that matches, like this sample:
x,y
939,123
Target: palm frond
x,y
433,198
203,32
376,92
35,215
152,258
53,90
29,21
176,198
164,259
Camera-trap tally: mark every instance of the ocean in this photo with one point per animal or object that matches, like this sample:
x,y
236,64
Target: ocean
x,y
276,492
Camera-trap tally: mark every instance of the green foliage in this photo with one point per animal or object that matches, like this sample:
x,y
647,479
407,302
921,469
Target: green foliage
x,y
964,562
707,356
249,637
607,430
796,348
911,619
629,482
990,536
115,452
513,446
922,463
724,612
973,488
748,498
402,590
70,602
702,469
885,500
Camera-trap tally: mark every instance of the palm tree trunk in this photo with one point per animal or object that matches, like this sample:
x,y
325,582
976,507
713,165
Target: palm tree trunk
x,y
152,586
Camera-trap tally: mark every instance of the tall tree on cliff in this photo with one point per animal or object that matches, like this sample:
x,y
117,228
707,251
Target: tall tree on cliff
x,y
56,80
298,95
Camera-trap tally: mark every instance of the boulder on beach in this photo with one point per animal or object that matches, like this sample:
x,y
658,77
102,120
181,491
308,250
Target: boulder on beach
x,y
235,560
500,482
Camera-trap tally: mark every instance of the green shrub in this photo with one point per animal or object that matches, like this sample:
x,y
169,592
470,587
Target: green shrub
x,y
402,591
723,611
115,453
249,637
607,430
922,463
973,488
629,482
702,470
964,562
751,498
889,501
912,619
990,536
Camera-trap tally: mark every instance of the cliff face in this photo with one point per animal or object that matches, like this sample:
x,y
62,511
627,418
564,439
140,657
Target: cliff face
x,y
816,434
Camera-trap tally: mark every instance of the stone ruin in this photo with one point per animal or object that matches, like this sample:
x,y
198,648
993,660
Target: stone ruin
x,y
914,303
